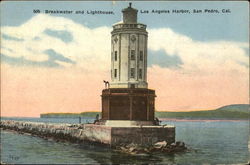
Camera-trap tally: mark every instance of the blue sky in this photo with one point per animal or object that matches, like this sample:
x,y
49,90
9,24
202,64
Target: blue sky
x,y
203,27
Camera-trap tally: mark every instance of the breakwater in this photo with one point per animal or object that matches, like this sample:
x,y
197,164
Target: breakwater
x,y
101,134
69,132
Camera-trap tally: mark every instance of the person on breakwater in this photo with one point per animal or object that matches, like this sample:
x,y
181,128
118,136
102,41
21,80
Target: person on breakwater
x,y
157,121
96,118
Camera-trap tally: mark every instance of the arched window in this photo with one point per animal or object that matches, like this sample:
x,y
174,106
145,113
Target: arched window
x,y
115,55
132,73
140,73
115,74
141,55
132,55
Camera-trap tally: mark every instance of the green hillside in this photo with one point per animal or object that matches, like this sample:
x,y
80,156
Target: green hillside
x,y
213,114
236,108
70,115
236,111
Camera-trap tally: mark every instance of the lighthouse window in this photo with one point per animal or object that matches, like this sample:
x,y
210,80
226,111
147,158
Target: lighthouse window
x,y
132,55
141,55
115,55
132,72
115,73
140,73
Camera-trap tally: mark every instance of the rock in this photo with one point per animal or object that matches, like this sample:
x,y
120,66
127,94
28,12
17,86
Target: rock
x,y
160,144
131,145
123,148
140,150
173,144
131,149
180,144
146,150
177,143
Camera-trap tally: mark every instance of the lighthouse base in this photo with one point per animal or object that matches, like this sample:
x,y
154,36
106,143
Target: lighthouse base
x,y
139,135
137,104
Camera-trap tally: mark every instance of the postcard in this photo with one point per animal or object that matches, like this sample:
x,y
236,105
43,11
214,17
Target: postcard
x,y
120,82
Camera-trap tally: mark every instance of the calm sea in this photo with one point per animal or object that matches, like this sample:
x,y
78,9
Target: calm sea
x,y
211,142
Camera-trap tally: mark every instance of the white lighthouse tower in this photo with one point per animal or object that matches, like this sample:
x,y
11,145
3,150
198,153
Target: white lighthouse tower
x,y
129,52
128,97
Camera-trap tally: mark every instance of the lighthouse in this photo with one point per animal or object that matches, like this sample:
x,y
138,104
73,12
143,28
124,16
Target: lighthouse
x,y
128,106
128,99
129,52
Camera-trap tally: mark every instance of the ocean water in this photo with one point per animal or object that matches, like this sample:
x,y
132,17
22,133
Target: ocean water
x,y
210,141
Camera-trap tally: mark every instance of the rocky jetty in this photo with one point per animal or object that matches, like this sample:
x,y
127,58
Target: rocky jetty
x,y
163,146
69,132
136,139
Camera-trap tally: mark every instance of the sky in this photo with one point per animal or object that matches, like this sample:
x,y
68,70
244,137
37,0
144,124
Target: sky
x,y
57,62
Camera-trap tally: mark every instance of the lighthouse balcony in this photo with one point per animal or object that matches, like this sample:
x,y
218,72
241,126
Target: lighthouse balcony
x,y
123,25
140,84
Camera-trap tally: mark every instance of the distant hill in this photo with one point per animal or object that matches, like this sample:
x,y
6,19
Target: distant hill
x,y
235,111
70,115
236,108
212,114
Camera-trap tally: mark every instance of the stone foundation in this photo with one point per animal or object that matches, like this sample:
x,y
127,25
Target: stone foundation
x,y
145,135
128,104
111,136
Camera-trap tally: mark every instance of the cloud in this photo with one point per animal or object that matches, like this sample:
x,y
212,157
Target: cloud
x,y
20,61
212,74
197,55
89,49
186,74
72,41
